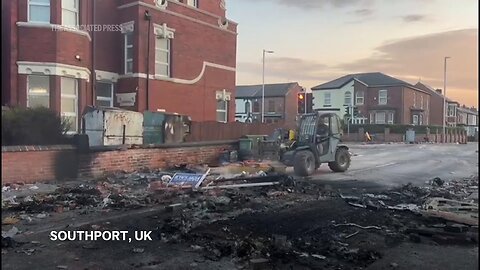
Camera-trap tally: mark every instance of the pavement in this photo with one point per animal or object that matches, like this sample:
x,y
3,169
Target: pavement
x,y
397,164
225,230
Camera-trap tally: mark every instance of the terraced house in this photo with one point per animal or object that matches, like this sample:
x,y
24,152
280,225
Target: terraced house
x,y
175,56
379,99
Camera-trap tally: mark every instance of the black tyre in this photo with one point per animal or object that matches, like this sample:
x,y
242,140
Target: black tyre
x,y
304,163
342,161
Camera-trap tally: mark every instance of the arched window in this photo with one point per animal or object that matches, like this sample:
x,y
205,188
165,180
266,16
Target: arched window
x,y
348,98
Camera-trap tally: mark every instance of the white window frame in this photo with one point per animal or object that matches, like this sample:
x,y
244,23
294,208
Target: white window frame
x,y
377,118
415,120
76,11
168,51
126,47
192,3
372,118
106,98
37,94
380,98
450,113
348,95
222,110
75,97
35,3
391,117
359,97
414,99
329,103
420,119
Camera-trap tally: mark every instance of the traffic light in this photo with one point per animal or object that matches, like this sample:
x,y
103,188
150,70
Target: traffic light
x,y
309,97
355,111
347,111
301,103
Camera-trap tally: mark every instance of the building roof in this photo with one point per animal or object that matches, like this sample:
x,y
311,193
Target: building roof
x,y
430,89
468,110
271,90
370,79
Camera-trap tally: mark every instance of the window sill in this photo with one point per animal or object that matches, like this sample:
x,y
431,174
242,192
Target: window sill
x,y
55,28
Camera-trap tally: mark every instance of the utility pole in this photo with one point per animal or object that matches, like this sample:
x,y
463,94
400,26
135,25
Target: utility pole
x,y
263,84
444,97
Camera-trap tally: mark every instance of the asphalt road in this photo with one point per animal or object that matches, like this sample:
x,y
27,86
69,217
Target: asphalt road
x,y
397,164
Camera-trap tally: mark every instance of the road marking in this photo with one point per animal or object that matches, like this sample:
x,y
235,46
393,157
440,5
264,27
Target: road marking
x,y
375,167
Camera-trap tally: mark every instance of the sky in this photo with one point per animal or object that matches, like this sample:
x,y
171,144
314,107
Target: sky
x,y
316,41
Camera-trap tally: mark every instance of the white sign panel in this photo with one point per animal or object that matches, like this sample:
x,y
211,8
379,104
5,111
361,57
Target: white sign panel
x,y
126,99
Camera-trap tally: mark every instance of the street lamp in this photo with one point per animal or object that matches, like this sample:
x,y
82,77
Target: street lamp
x,y
444,95
263,85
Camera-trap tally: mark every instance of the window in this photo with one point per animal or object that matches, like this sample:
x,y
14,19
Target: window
x,y
451,110
222,111
38,91
256,106
414,99
39,11
247,107
128,54
162,57
68,105
382,97
372,118
359,98
390,117
380,118
327,100
348,98
193,3
421,102
420,121
415,120
70,12
426,103
104,91
271,106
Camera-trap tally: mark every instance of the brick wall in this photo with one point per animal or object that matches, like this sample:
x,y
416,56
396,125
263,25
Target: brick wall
x,y
33,164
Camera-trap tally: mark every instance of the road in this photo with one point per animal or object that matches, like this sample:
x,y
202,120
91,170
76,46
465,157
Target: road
x,y
397,164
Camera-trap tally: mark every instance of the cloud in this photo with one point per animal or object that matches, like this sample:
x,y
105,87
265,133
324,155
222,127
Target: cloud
x,y
364,12
287,68
318,4
414,18
423,57
409,59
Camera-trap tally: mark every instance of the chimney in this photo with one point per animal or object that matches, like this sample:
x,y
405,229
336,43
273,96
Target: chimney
x,y
439,91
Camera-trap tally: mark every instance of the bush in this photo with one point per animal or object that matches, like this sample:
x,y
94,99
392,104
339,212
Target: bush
x,y
32,126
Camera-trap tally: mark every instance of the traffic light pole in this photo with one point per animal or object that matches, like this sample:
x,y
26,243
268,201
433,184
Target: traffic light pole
x,y
305,102
348,121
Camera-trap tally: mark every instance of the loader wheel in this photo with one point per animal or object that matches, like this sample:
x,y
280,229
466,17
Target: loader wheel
x,y
342,161
304,163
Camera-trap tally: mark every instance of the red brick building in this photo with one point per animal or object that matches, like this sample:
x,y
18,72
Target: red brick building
x,y
379,99
281,103
69,54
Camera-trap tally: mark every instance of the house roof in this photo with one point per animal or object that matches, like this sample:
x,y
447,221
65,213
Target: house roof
x,y
468,110
271,90
370,79
430,89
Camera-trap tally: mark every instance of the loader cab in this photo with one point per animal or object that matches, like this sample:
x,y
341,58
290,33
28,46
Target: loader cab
x,y
318,141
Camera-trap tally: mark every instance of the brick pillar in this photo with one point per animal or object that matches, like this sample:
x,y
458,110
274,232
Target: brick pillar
x,y
361,135
436,136
386,133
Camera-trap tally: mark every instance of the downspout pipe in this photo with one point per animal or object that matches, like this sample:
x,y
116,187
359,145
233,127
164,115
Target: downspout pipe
x,y
93,54
148,17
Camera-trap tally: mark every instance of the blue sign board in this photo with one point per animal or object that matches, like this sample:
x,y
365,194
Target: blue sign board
x,y
190,179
